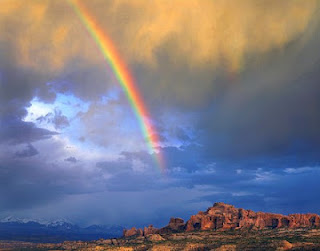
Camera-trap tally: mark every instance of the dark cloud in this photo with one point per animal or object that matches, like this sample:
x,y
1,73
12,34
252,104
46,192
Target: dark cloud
x,y
26,184
57,119
33,184
113,167
15,131
71,159
18,86
28,152
283,193
272,109
250,135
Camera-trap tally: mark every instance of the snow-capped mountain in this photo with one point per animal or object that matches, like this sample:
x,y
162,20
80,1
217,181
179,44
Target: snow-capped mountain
x,y
53,223
39,230
14,219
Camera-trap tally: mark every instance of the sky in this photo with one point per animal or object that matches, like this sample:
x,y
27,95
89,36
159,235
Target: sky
x,y
233,94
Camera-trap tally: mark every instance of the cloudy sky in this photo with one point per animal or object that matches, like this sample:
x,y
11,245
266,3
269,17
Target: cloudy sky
x,y
233,92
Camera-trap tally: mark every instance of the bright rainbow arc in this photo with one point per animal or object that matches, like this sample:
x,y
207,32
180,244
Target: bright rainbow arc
x,y
125,79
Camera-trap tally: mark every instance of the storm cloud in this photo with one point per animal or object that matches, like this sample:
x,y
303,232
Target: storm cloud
x,y
233,92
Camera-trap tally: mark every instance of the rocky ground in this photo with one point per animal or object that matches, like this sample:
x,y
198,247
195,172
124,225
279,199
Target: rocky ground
x,y
268,239
221,227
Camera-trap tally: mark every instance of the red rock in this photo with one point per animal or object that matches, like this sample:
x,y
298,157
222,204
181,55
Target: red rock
x,y
176,223
132,232
222,216
149,230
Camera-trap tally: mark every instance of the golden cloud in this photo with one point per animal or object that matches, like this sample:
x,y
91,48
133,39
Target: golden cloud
x,y
46,34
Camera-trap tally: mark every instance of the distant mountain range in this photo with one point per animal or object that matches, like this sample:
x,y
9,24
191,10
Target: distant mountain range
x,y
40,221
17,229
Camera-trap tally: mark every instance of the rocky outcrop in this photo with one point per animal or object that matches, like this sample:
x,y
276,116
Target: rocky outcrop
x,y
282,245
175,225
155,238
226,248
222,216
149,230
132,232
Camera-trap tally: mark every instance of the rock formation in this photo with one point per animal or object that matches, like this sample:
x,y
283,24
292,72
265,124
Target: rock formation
x,y
132,232
222,216
149,230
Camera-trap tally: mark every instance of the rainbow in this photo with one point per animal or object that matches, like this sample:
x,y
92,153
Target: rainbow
x,y
125,79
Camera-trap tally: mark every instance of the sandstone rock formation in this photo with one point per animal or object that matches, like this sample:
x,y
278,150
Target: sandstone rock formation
x,y
132,232
283,245
222,216
149,230
155,238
